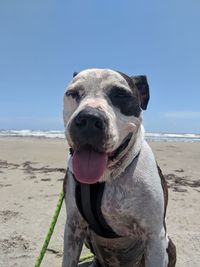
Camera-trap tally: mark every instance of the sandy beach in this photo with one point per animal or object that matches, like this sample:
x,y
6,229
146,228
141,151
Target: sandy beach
x,y
31,174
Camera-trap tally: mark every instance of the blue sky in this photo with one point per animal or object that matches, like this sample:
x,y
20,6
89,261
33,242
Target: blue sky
x,y
43,41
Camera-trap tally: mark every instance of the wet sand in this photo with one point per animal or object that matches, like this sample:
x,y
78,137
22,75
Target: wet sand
x,y
31,174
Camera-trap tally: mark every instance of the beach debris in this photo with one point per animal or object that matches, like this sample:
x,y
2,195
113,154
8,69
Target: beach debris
x,y
179,170
15,241
27,166
6,215
5,164
176,183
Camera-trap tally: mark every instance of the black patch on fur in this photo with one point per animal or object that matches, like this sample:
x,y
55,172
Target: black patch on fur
x,y
127,102
143,88
139,87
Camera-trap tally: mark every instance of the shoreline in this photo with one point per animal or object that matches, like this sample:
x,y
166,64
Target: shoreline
x,y
59,134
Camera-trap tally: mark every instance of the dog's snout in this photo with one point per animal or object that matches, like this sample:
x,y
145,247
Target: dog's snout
x,y
89,127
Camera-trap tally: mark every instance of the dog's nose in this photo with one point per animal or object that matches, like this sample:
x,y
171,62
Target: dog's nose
x,y
89,121
89,127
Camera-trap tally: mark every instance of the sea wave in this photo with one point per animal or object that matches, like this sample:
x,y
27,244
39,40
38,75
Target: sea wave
x,y
166,137
32,133
175,137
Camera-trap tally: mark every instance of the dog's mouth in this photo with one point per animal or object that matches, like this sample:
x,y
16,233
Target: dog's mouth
x,y
89,164
112,156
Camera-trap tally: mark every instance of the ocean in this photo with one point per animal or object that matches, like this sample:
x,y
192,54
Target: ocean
x,y
166,137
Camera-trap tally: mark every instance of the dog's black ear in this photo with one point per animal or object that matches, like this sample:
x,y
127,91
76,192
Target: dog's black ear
x,y
143,88
75,73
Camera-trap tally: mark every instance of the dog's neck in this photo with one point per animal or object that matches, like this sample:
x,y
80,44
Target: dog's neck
x,y
128,157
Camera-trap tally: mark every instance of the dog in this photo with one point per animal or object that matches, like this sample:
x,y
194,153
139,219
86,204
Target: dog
x,y
115,194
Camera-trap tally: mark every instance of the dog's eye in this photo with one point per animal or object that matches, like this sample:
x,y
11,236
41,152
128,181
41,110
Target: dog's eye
x,y
119,93
122,94
74,94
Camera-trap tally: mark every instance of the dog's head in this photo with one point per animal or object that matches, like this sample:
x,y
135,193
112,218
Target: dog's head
x,y
102,115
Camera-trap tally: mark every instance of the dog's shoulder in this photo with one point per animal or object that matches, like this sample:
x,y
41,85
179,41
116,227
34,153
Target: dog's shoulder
x,y
146,163
150,159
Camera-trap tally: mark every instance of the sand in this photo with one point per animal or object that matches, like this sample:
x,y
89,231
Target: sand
x,y
31,173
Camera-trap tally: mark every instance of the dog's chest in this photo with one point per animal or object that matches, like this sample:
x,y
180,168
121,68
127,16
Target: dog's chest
x,y
108,209
117,207
127,249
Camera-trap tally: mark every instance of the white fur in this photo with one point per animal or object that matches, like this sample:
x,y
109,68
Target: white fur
x,y
133,202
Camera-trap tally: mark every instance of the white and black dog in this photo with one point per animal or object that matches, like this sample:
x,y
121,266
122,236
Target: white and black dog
x,y
116,196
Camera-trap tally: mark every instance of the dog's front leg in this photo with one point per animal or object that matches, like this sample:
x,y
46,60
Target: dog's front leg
x,y
75,228
156,252
73,241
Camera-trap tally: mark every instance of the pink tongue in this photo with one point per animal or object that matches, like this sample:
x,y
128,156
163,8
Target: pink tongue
x,y
89,165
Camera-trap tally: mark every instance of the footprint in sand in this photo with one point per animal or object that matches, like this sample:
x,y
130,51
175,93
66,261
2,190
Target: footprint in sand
x,y
6,215
15,241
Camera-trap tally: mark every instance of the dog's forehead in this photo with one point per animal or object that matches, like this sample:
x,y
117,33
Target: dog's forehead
x,y
99,79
